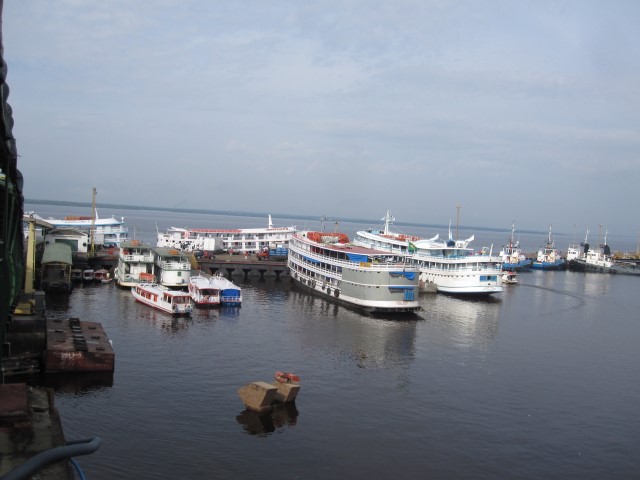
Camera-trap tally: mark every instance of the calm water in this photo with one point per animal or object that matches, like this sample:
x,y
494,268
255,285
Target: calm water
x,y
539,382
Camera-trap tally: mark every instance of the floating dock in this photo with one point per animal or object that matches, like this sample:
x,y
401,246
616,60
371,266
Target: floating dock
x,y
77,346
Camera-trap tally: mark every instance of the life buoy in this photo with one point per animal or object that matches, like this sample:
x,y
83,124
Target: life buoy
x,y
286,377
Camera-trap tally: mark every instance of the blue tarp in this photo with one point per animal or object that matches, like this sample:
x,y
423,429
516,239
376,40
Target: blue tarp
x,y
409,275
311,259
357,257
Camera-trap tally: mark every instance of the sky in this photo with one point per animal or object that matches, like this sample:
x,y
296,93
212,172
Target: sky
x,y
515,110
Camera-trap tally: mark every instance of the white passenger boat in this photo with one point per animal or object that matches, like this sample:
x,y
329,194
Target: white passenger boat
x,y
241,240
372,280
230,293
202,292
175,302
173,267
135,264
445,266
107,232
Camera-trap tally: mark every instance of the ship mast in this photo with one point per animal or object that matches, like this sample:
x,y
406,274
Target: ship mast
x,y
93,220
458,205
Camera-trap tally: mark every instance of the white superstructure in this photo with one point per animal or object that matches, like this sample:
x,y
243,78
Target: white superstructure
x,y
173,267
449,266
241,240
108,232
135,264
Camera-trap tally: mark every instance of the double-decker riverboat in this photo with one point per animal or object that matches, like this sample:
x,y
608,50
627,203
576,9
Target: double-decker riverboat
x,y
445,266
175,302
328,265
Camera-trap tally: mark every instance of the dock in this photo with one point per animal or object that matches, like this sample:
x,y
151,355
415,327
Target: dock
x,y
241,265
77,346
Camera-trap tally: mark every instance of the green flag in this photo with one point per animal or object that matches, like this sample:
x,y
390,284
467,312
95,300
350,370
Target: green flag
x,y
412,247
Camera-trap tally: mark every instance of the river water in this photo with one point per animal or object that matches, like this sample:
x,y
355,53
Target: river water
x,y
540,381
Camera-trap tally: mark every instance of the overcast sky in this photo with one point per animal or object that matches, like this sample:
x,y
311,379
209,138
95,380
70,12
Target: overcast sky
x,y
525,110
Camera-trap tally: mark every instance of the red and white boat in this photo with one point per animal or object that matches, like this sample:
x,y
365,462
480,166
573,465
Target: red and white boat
x,y
203,292
175,302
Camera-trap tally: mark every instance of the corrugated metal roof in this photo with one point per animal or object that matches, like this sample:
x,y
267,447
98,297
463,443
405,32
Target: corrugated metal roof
x,y
57,252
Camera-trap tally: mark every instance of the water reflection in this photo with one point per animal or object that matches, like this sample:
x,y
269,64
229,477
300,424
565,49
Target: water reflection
x,y
162,320
263,424
354,337
469,322
76,383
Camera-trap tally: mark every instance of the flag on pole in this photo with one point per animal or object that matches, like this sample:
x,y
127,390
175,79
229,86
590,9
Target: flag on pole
x,y
412,247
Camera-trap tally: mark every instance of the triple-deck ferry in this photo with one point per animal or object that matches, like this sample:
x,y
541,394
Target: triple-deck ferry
x,y
445,266
135,264
157,296
240,240
372,280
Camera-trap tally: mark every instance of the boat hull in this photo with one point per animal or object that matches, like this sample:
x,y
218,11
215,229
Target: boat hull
x,y
557,265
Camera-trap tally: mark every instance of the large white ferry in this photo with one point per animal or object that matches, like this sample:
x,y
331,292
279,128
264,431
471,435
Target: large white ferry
x,y
108,232
373,280
157,296
173,267
135,264
241,240
446,266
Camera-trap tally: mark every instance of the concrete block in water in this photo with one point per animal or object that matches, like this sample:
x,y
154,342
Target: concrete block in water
x,y
287,392
258,396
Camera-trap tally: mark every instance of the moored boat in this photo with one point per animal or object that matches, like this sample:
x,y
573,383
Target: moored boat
x,y
55,275
87,275
512,257
450,266
202,292
135,264
328,265
230,293
173,267
548,257
175,302
509,278
101,275
240,240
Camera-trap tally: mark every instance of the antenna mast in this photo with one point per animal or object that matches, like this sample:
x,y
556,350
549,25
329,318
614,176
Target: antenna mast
x,y
458,205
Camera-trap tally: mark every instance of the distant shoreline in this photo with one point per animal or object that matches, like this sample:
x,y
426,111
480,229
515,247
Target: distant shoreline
x,y
262,214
